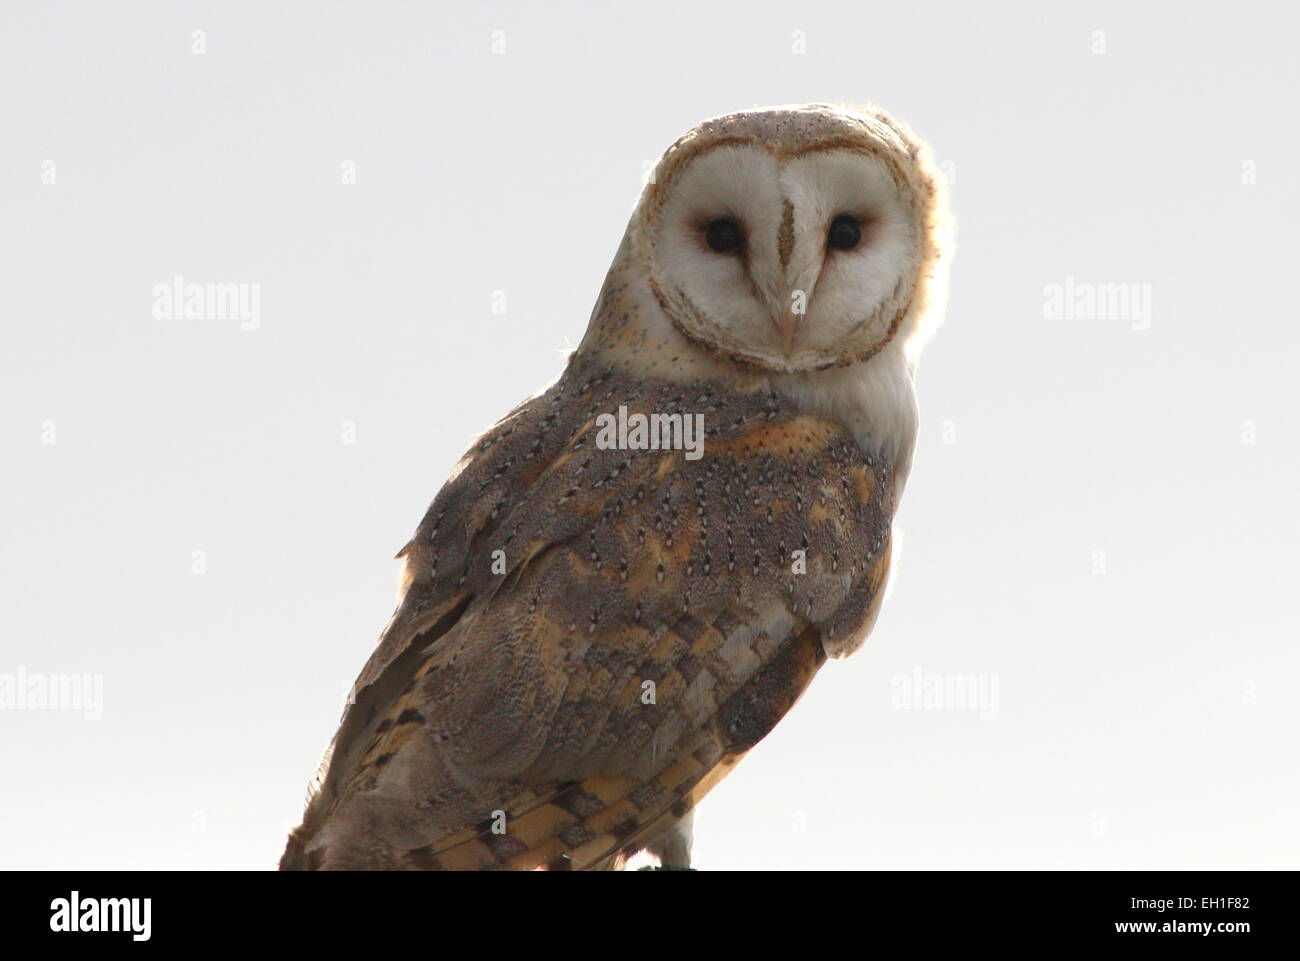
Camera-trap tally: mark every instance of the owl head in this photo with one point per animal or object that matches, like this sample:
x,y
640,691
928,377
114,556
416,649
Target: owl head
x,y
794,238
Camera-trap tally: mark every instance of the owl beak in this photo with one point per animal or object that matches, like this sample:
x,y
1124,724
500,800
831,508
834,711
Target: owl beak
x,y
788,312
786,325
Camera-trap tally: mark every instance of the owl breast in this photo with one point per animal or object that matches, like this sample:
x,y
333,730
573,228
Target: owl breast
x,y
588,609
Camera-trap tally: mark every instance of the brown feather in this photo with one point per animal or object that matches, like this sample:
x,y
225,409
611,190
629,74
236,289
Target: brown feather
x,y
521,691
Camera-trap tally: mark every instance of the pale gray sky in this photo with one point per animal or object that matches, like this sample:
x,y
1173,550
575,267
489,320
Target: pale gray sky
x,y
1101,521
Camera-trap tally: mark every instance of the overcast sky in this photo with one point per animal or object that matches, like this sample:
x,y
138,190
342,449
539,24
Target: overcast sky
x,y
200,514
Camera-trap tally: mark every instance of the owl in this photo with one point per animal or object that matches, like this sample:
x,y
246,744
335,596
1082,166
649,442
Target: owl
x,y
631,578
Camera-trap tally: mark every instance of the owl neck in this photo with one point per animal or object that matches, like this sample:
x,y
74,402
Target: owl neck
x,y
873,399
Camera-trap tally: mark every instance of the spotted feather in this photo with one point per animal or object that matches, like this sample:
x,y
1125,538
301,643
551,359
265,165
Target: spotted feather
x,y
497,689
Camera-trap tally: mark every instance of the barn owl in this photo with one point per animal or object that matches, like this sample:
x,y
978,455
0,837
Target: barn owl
x,y
594,625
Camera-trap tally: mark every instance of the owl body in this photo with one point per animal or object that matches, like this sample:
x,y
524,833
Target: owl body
x,y
591,635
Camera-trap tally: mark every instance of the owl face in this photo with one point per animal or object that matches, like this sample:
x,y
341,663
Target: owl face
x,y
791,239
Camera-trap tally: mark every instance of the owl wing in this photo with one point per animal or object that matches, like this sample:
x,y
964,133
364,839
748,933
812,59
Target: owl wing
x,y
592,636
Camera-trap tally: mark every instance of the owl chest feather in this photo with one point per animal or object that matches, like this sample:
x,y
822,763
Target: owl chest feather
x,y
875,401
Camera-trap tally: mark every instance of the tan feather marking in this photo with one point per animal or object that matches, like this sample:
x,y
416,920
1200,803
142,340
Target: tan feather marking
x,y
620,820
864,480
818,513
613,813
776,688
390,735
667,464
804,435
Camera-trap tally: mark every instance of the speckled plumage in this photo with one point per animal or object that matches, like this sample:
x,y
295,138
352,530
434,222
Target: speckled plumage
x,y
503,719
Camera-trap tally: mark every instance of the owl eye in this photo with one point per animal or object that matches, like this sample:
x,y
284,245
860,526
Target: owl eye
x,y
845,232
723,235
